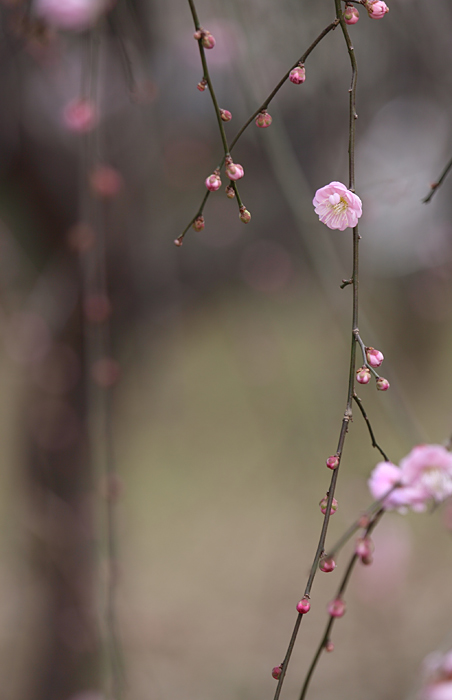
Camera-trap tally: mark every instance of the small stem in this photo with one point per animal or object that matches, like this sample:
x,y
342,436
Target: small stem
x,y
369,427
330,623
437,185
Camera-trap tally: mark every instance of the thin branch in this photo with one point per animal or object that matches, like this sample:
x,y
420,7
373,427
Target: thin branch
x,y
330,623
436,185
359,403
263,106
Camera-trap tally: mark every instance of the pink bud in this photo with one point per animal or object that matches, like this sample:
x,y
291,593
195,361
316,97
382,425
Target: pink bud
x,y
323,504
202,85
336,608
364,520
367,560
304,606
382,384
244,215
364,547
80,115
329,646
363,375
297,75
213,182
327,565
198,223
351,14
276,672
230,192
198,35
207,40
332,462
234,171
376,9
263,120
374,357
225,115
178,242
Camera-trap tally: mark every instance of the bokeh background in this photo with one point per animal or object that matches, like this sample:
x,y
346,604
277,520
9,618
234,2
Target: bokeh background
x,y
232,351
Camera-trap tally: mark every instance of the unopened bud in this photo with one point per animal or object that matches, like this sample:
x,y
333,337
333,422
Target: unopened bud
x,y
332,462
230,192
351,14
323,504
244,215
208,40
198,223
336,608
276,672
197,35
382,384
329,646
327,565
202,85
363,375
376,9
213,182
297,75
304,606
225,115
374,357
263,120
178,242
364,548
234,171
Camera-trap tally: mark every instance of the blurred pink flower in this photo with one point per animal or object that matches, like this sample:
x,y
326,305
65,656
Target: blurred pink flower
x,y
424,474
337,207
80,115
438,669
75,15
428,468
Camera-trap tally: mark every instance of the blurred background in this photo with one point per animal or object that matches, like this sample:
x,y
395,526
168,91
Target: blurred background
x,y
167,412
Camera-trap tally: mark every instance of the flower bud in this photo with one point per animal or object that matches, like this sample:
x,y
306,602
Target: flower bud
x,y
363,375
198,35
230,192
178,242
234,171
327,565
351,14
213,182
202,85
263,120
374,357
244,215
276,672
208,40
323,504
364,548
376,9
367,560
332,462
329,646
225,115
336,608
304,606
382,384
297,75
198,223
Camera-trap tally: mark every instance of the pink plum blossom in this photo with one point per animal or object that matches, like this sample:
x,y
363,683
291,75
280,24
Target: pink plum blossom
x,y
74,15
234,171
374,357
428,468
376,9
337,207
363,375
438,669
384,477
80,115
382,384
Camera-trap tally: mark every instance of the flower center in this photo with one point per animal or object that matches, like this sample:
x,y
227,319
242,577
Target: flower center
x,y
337,203
438,482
